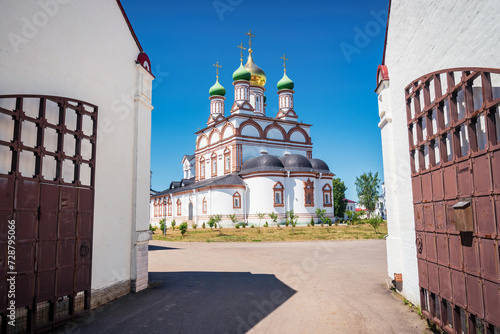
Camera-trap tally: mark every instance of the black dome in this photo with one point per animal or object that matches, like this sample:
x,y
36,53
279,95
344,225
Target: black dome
x,y
264,162
319,166
297,163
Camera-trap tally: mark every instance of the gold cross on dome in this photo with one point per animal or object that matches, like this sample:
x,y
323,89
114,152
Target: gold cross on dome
x,y
217,66
241,48
249,34
284,61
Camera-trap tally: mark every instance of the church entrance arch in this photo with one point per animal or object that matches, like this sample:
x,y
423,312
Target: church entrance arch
x,y
190,214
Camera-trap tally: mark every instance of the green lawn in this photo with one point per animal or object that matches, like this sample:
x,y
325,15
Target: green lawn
x,y
263,234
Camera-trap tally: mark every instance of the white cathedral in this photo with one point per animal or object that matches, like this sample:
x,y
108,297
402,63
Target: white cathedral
x,y
246,162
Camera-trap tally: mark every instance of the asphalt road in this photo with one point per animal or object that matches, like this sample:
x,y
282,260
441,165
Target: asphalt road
x,y
296,287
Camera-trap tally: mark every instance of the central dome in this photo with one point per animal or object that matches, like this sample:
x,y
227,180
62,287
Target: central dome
x,y
258,75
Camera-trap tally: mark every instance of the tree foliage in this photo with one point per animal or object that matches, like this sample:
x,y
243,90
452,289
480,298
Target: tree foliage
x,y
367,187
339,205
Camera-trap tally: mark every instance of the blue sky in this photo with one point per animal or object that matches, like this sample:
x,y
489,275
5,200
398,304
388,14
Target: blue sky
x,y
333,47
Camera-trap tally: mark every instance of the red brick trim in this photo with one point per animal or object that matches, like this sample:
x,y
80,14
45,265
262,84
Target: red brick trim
x,y
308,193
237,195
278,188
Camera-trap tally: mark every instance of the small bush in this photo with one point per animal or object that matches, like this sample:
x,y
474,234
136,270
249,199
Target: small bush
x,y
375,222
162,225
173,224
203,225
194,226
266,224
152,228
252,226
312,222
183,228
237,226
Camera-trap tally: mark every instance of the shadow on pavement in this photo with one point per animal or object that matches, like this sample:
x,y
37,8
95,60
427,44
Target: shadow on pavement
x,y
155,248
190,302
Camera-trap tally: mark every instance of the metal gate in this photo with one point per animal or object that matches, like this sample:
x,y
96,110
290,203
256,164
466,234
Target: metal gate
x,y
47,171
454,135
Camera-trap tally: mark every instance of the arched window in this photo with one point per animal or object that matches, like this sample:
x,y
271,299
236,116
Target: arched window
x,y
179,207
227,161
236,200
278,194
202,169
155,207
308,193
327,195
169,206
204,205
214,165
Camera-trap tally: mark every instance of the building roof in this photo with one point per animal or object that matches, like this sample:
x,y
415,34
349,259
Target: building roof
x,y
291,163
226,180
348,200
129,26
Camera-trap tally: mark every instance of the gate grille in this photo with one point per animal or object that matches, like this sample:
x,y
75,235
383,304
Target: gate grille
x,y
454,135
47,173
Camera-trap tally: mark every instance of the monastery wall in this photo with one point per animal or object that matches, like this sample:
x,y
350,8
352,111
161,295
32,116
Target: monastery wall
x,y
423,39
91,56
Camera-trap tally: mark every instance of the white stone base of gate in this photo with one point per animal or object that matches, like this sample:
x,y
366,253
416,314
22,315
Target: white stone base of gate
x,y
141,256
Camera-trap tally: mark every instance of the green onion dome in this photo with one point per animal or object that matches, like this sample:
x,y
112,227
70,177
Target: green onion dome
x,y
242,74
285,83
217,89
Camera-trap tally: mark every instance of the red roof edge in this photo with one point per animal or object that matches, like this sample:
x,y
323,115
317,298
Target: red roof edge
x,y
386,31
129,26
348,200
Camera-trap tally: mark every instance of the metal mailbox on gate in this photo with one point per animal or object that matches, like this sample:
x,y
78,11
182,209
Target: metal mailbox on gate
x,y
463,216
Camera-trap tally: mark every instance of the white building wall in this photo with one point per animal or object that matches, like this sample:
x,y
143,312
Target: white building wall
x,y
423,39
76,50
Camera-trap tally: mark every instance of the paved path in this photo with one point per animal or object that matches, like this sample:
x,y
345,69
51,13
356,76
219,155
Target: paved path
x,y
299,287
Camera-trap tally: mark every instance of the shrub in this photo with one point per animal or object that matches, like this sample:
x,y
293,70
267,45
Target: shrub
x,y
375,222
152,228
173,224
183,228
194,226
328,221
237,226
266,224
162,225
203,225
243,225
274,217
211,223
252,226
312,222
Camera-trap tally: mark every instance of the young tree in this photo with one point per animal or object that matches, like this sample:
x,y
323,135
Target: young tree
x,y
173,224
291,219
339,204
367,187
216,219
320,213
274,217
375,222
233,218
260,215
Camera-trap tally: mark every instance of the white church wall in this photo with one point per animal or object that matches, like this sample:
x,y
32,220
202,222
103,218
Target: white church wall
x,y
260,197
448,37
109,56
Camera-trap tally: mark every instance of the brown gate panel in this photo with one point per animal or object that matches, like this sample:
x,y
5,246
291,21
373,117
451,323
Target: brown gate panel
x,y
437,185
443,254
426,187
457,197
474,295
444,282
458,288
490,263
52,206
481,172
485,216
492,303
495,169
